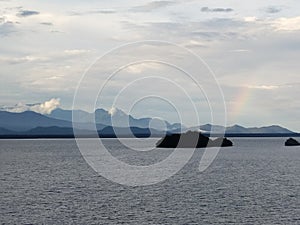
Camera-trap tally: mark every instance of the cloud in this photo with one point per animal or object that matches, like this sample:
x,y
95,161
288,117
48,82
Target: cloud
x,y
142,67
103,11
286,24
152,6
245,47
76,51
47,107
263,87
44,108
100,11
240,50
194,44
224,23
26,13
112,111
47,23
6,27
250,19
206,9
273,9
17,60
203,31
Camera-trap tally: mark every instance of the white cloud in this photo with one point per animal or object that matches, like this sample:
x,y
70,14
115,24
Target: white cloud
x,y
194,44
44,108
287,24
250,19
142,67
112,111
24,59
263,87
240,50
76,51
47,107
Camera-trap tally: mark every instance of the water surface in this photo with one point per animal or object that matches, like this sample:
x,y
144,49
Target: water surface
x,y
48,182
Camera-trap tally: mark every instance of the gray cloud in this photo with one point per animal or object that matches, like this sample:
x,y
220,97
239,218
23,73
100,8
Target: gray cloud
x,y
6,27
26,13
206,34
273,9
103,11
152,6
100,11
206,9
208,30
224,23
47,23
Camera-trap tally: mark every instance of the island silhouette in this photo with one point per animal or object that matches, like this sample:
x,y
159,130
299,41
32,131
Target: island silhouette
x,y
291,142
192,139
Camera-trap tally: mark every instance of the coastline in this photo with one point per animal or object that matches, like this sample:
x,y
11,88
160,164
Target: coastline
x,y
71,136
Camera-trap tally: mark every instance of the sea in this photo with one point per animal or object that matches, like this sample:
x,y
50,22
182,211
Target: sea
x,y
48,181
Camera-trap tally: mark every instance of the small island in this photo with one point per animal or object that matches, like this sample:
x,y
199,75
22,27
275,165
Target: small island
x,y
291,142
192,139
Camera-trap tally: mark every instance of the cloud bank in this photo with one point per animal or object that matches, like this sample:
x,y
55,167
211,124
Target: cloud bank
x,y
44,108
152,6
253,47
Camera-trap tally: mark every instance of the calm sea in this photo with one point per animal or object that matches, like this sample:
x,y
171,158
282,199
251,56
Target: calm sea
x,y
48,182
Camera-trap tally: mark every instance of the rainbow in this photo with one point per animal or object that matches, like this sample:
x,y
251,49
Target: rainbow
x,y
240,102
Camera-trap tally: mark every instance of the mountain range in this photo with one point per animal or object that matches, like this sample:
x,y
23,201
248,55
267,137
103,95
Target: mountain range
x,y
111,124
117,118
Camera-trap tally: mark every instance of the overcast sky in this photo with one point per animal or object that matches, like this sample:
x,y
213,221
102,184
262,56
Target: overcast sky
x,y
253,48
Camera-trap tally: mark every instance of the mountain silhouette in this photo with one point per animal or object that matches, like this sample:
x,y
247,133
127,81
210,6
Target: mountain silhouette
x,y
28,120
237,129
117,119
33,123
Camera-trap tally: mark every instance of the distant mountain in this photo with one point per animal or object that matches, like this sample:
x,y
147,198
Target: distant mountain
x,y
57,131
4,131
207,128
80,115
50,131
28,120
31,123
130,132
237,129
254,130
270,129
67,132
117,119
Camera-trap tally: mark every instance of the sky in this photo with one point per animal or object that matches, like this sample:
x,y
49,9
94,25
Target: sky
x,y
252,48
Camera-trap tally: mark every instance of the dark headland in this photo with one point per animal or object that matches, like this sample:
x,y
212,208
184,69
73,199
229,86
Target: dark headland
x,y
192,139
291,142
